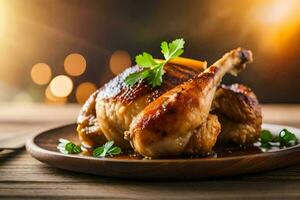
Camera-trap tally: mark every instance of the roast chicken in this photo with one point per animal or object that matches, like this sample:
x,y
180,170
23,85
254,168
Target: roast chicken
x,y
239,113
187,114
117,103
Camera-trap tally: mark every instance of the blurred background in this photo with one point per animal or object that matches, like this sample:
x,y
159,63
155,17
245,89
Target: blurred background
x,y
60,51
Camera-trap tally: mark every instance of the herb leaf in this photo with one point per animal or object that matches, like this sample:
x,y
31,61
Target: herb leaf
x,y
115,151
285,138
153,70
107,149
136,77
68,147
145,60
165,49
266,136
175,49
99,151
108,144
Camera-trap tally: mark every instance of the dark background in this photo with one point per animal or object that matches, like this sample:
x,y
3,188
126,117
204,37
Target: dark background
x,y
34,31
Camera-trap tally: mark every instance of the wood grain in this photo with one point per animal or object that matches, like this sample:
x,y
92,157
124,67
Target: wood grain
x,y
21,176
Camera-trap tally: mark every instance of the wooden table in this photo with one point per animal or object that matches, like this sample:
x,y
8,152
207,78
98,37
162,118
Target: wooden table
x,y
21,176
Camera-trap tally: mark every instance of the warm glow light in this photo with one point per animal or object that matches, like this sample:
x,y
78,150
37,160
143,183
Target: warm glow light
x,y
2,21
119,60
61,86
278,12
279,21
50,98
84,90
5,20
75,64
41,73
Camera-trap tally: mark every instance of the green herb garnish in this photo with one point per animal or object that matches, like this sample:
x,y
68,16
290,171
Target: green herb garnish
x,y
266,136
68,147
285,138
153,70
107,149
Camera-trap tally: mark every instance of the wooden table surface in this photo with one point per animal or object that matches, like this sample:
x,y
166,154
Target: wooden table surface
x,y
21,176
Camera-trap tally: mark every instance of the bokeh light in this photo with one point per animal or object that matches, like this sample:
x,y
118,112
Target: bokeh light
x,y
119,60
269,28
84,90
75,64
61,86
41,73
50,98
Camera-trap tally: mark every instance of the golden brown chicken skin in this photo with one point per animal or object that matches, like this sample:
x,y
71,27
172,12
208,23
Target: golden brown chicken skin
x,y
204,138
117,104
166,125
239,113
88,127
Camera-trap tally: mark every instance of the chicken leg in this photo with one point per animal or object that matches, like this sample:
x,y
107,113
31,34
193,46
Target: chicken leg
x,y
165,126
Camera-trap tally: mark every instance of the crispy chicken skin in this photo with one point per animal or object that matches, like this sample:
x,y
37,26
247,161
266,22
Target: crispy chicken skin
x,y
166,125
239,113
183,116
117,104
121,102
88,127
204,138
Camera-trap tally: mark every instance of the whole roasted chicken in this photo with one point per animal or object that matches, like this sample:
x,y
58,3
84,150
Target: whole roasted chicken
x,y
187,114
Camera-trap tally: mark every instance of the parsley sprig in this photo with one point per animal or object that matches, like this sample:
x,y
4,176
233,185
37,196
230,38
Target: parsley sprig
x,y
285,138
153,70
68,147
108,149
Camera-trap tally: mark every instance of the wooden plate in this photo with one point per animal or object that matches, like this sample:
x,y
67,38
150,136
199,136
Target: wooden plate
x,y
232,162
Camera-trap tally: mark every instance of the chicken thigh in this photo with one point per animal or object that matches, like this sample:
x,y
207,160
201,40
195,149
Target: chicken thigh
x,y
239,113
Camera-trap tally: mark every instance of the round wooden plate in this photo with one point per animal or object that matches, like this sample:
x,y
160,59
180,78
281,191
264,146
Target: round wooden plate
x,y
43,148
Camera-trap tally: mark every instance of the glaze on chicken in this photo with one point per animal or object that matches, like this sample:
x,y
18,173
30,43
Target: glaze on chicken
x,y
239,113
185,115
118,103
166,125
